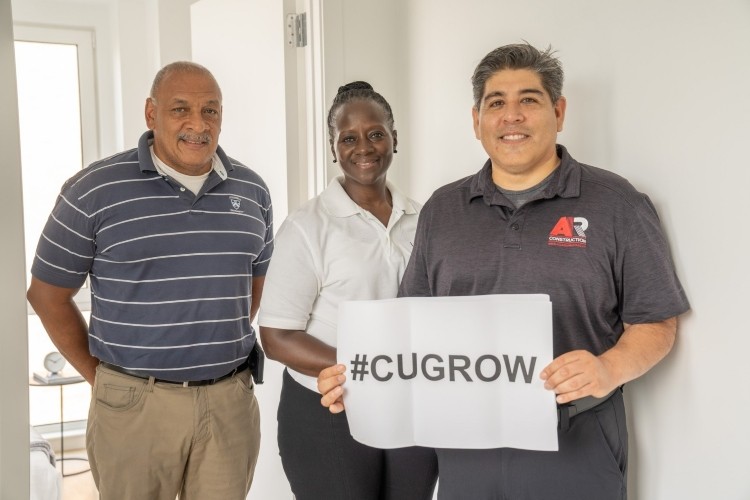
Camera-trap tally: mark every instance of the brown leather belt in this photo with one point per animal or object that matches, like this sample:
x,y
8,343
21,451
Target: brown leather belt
x,y
190,383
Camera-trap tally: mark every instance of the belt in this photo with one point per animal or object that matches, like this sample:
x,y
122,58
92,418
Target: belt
x,y
190,383
569,410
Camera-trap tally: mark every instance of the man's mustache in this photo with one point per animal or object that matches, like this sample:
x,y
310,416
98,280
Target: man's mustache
x,y
203,138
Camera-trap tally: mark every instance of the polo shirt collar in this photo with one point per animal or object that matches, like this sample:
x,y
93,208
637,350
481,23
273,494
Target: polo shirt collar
x,y
400,201
338,203
221,162
565,182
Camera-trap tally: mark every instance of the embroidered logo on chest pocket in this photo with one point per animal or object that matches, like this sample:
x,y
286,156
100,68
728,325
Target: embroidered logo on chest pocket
x,y
569,232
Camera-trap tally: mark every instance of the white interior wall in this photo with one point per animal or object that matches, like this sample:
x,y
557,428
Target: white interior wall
x,y
656,92
364,41
246,55
242,43
136,25
175,39
14,394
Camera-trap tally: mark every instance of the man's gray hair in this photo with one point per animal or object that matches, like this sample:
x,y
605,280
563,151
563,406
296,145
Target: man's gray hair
x,y
179,67
520,56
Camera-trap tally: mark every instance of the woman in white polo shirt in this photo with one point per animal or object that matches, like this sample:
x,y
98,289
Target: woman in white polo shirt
x,y
351,242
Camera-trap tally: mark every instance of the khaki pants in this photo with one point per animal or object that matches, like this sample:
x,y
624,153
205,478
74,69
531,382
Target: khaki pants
x,y
153,441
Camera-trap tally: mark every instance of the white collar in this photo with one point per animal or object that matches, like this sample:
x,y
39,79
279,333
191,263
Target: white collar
x,y
164,169
338,203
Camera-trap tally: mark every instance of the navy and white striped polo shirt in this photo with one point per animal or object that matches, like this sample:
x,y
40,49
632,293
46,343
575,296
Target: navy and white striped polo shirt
x,y
170,271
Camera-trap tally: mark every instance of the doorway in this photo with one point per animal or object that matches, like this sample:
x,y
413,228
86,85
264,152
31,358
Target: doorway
x,y
57,125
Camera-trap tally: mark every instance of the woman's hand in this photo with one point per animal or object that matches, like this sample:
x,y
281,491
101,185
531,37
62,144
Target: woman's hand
x,y
330,381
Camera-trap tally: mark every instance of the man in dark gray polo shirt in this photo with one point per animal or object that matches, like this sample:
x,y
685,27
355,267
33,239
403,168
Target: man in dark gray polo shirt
x,y
534,220
176,238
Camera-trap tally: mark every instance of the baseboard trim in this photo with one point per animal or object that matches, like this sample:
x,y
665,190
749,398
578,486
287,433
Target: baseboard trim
x,y
74,435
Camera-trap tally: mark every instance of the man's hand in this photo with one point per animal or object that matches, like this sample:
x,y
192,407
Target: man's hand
x,y
330,381
576,374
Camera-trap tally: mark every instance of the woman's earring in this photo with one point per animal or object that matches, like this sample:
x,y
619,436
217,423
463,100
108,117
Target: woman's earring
x,y
334,160
394,150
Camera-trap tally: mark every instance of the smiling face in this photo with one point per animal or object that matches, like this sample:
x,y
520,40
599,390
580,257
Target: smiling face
x,y
363,143
517,123
186,119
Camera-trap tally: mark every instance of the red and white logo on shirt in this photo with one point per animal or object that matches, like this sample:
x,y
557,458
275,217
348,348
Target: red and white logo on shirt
x,y
569,232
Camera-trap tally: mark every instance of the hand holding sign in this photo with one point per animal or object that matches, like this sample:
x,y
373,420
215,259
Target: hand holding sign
x,y
418,367
330,383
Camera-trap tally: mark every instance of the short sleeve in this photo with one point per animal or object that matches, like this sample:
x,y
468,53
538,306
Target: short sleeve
x,y
66,248
292,282
650,290
262,261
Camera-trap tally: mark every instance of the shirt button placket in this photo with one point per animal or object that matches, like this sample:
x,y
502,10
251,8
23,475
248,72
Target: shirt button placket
x,y
513,236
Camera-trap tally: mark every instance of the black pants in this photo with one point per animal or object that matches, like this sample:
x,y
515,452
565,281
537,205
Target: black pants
x,y
323,462
591,464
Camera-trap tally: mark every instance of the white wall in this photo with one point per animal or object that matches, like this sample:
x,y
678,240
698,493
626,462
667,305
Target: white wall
x,y
365,41
657,91
14,393
242,43
136,30
147,34
175,40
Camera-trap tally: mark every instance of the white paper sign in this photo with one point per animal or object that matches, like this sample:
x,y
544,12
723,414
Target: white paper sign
x,y
449,372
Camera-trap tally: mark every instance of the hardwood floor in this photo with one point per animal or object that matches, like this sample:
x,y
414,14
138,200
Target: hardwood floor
x,y
77,486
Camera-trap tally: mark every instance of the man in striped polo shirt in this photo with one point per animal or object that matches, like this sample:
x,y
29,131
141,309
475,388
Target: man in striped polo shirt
x,y
175,237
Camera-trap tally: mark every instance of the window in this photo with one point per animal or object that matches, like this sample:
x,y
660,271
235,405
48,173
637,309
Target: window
x,y
57,121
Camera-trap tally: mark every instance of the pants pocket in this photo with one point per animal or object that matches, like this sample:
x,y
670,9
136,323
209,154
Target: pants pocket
x,y
117,396
117,392
245,382
613,433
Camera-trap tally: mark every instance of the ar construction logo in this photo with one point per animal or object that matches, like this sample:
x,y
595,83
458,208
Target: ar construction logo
x,y
569,232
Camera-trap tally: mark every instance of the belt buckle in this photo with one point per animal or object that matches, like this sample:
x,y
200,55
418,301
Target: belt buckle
x,y
563,417
213,381
565,412
569,410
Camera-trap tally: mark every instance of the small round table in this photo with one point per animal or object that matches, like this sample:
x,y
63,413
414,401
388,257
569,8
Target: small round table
x,y
52,380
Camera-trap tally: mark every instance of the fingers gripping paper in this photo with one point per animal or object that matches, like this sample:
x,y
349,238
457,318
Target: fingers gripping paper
x,y
449,372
